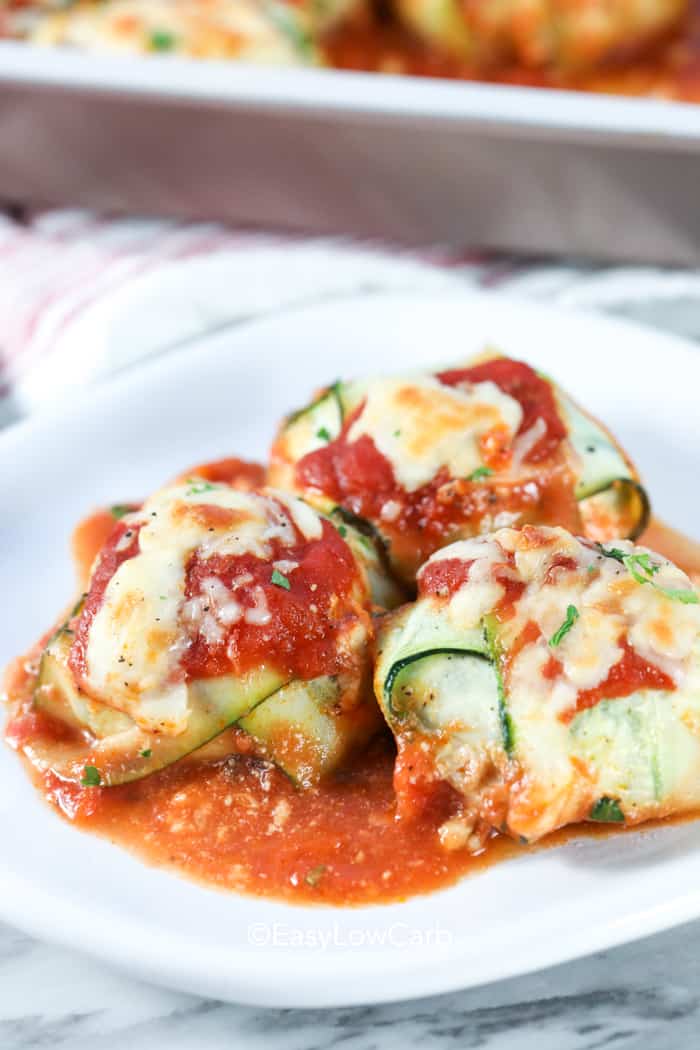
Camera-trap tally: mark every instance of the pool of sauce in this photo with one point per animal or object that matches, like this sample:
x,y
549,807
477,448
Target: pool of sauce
x,y
669,69
232,822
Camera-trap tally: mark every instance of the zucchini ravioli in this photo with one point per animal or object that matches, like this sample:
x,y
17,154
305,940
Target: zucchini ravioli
x,y
549,680
425,459
209,608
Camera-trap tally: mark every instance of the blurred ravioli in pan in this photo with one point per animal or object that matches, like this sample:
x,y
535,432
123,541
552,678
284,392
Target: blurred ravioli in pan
x,y
424,459
281,32
548,680
564,36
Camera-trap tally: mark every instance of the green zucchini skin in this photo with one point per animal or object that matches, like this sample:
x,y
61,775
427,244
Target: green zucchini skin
x,y
608,484
117,746
370,551
305,728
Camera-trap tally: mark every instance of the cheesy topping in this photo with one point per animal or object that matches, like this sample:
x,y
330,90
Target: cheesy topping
x,y
143,625
420,425
558,572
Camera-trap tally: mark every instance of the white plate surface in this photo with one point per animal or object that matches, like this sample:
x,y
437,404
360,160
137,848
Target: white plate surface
x,y
224,396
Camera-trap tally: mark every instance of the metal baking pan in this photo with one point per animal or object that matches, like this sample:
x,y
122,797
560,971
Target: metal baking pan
x,y
409,159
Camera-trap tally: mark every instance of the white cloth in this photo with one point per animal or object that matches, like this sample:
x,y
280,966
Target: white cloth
x,y
82,297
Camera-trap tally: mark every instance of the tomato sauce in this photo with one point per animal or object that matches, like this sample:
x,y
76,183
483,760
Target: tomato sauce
x,y
533,394
443,578
668,69
121,544
240,473
226,819
630,673
302,614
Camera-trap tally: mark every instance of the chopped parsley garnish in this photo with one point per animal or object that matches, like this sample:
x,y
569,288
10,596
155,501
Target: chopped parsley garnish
x,y
572,615
640,566
397,433
162,40
679,595
323,434
607,810
342,531
120,510
146,753
642,569
91,777
279,580
198,487
313,877
480,472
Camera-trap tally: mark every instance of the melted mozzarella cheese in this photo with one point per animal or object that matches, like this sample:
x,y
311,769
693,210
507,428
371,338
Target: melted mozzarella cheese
x,y
420,425
143,625
470,604
610,604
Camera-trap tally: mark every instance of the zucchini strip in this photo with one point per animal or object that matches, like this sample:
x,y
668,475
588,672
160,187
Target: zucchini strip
x,y
608,487
316,424
302,726
305,730
123,752
436,679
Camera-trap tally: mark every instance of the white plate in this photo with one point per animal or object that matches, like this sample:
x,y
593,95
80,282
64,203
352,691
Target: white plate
x,y
224,396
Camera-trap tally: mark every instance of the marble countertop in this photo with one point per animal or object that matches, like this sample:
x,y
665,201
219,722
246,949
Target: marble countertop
x,y
645,995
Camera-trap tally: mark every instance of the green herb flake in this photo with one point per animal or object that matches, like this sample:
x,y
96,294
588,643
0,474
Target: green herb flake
x,y
279,580
678,595
607,811
198,487
640,566
642,569
120,510
162,40
323,434
91,777
479,473
397,433
146,753
314,876
342,530
572,615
